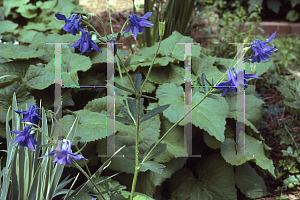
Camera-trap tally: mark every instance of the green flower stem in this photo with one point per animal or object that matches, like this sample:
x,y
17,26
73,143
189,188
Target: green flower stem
x,y
112,32
125,91
136,171
85,163
74,162
141,89
138,96
101,24
93,29
210,91
124,25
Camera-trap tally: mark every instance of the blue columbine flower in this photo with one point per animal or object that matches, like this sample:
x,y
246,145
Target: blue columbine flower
x,y
70,26
113,44
64,154
233,82
30,115
85,43
261,51
138,24
25,139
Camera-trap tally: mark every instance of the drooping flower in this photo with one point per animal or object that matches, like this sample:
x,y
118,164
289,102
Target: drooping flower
x,y
70,26
85,43
113,45
232,82
64,153
138,24
261,51
25,139
30,115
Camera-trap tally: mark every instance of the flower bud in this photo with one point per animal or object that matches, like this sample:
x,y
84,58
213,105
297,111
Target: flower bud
x,y
161,29
253,68
84,17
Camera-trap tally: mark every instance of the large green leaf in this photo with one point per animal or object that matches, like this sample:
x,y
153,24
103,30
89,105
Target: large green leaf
x,y
41,43
6,95
10,50
12,71
8,27
174,141
71,64
168,47
149,179
38,78
171,73
205,65
216,181
91,125
169,52
249,182
253,111
209,115
252,147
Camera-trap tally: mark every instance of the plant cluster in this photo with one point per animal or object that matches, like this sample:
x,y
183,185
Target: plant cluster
x,y
149,129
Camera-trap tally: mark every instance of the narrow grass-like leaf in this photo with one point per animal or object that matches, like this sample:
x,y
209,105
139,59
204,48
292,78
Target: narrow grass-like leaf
x,y
124,110
159,149
137,82
87,186
121,119
122,88
151,165
153,112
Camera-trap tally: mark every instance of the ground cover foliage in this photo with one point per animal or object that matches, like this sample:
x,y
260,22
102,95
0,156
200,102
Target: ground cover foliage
x,y
27,76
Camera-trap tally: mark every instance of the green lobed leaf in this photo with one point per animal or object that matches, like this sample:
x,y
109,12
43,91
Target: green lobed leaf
x,y
170,73
6,95
206,115
249,182
91,125
216,181
71,64
38,78
253,111
174,141
19,52
8,26
149,180
252,147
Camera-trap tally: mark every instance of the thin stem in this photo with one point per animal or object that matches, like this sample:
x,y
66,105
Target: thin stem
x,y
137,128
124,25
136,171
101,24
112,31
74,162
92,28
125,94
127,74
141,89
85,164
